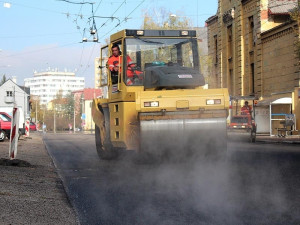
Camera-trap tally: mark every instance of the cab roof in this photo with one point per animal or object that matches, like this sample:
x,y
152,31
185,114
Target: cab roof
x,y
152,33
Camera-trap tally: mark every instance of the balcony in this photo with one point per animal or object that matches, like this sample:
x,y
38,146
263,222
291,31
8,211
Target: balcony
x,y
8,99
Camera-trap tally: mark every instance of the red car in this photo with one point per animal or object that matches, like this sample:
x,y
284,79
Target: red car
x,y
32,126
5,124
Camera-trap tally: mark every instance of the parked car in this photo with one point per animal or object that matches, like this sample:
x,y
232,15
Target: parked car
x,y
32,126
5,125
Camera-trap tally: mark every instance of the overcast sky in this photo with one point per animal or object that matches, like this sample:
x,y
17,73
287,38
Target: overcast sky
x,y
36,35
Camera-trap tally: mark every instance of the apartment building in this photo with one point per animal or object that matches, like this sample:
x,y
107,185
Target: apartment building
x,y
47,84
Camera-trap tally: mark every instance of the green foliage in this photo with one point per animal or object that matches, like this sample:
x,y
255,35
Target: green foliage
x,y
163,19
3,80
69,106
36,108
62,111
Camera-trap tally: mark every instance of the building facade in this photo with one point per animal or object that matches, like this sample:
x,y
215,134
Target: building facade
x,y
47,84
12,95
83,104
97,72
251,44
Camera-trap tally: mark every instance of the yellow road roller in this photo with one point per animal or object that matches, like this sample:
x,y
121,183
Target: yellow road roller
x,y
153,97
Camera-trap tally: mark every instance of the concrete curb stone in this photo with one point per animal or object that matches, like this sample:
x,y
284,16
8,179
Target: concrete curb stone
x,y
279,140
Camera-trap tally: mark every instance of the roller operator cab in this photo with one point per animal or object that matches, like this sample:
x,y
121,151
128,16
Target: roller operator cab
x,y
156,103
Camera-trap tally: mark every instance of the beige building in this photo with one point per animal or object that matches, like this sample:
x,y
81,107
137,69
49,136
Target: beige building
x,y
97,72
83,106
251,43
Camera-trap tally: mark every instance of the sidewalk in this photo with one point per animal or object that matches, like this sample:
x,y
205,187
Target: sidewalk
x,y
31,191
292,139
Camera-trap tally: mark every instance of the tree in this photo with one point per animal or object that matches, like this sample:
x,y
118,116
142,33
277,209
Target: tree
x,y
163,19
36,108
3,79
69,106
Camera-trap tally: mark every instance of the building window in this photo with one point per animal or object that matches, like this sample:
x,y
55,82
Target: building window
x,y
251,33
9,93
231,82
252,91
216,49
229,42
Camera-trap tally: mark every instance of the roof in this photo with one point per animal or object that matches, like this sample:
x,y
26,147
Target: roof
x,y
23,88
211,19
88,93
26,89
276,29
281,6
277,101
91,93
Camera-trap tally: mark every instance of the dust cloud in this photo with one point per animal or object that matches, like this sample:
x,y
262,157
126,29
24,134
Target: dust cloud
x,y
193,188
246,187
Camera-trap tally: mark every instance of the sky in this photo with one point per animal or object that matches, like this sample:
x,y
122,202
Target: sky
x,y
40,35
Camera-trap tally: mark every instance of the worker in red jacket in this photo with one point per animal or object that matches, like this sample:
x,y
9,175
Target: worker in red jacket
x,y
246,109
134,76
114,62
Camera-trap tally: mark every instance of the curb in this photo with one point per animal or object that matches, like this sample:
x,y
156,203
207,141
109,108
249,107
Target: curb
x,y
277,141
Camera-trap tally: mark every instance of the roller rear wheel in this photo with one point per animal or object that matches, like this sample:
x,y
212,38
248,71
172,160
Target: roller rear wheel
x,y
104,147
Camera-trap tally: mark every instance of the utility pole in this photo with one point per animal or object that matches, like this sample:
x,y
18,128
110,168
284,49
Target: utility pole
x,y
25,107
44,128
36,111
54,122
74,114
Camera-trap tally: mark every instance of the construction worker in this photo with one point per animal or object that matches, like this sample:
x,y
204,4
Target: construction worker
x,y
246,109
114,62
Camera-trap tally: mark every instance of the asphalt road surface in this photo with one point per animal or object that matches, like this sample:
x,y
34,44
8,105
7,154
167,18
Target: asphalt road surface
x,y
259,184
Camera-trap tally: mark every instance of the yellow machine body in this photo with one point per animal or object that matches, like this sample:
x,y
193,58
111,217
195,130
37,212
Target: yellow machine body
x,y
142,117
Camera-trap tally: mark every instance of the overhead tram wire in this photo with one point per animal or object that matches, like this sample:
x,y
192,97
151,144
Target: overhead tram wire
x,y
40,50
36,35
78,15
32,7
111,17
113,13
98,6
78,3
125,19
92,27
86,67
113,29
